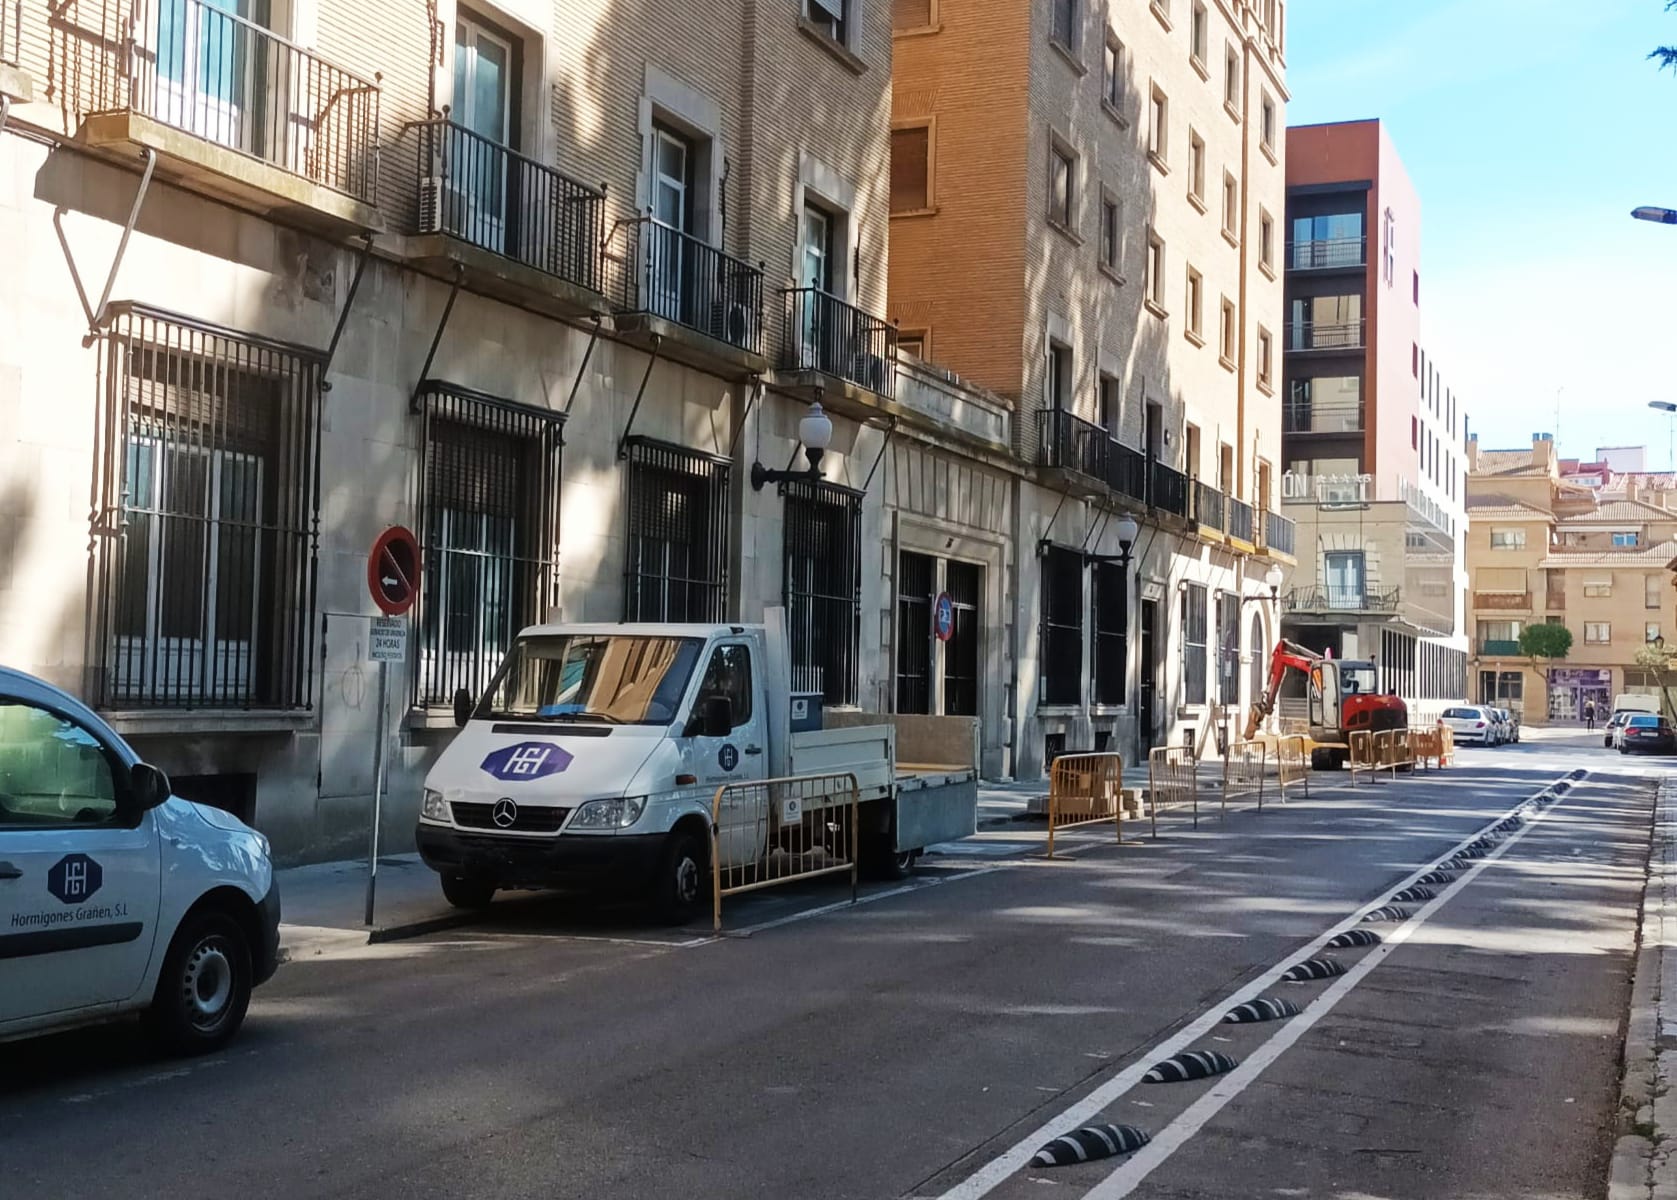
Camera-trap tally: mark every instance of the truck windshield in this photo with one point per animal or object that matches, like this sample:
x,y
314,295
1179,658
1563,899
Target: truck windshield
x,y
613,679
1357,680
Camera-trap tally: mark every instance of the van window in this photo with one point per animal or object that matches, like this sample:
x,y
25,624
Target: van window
x,y
729,674
53,773
610,678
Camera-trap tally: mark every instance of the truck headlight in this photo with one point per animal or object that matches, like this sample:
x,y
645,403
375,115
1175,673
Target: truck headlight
x,y
432,806
619,813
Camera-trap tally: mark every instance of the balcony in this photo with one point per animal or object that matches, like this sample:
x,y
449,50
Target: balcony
x,y
1240,519
1327,254
525,231
1341,599
1499,648
1169,489
1078,448
1126,471
703,305
1207,506
233,110
1280,533
1336,336
1502,601
831,345
1304,417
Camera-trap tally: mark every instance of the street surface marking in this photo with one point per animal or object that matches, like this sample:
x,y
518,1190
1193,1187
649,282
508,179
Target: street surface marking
x,y
840,905
1008,1164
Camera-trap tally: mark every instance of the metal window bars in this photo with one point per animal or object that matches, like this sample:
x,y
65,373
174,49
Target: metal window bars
x,y
916,584
1070,443
1280,532
656,269
1240,517
676,564
489,526
1062,626
208,518
823,588
1208,505
1110,659
216,75
824,333
490,196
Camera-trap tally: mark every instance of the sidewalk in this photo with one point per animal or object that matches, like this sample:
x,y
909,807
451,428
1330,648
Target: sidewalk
x,y
323,907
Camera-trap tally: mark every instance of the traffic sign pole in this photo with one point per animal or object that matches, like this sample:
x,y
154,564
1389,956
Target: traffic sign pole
x,y
393,575
379,768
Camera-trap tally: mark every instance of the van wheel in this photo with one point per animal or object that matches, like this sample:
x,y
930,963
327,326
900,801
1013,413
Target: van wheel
x,y
683,882
467,893
204,989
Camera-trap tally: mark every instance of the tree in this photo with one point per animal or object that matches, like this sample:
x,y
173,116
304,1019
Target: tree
x,y
1546,641
1653,660
1666,56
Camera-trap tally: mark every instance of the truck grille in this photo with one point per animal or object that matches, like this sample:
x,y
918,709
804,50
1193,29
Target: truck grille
x,y
528,820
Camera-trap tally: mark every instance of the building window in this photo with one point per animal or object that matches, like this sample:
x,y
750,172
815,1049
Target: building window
x,y
911,177
1266,359
1194,297
1266,125
1599,588
912,343
1065,23
1199,35
1343,578
1193,643
1508,539
208,594
1651,631
1111,233
1062,626
1158,127
910,14
675,566
1597,633
823,588
1058,388
1228,648
916,590
488,522
1231,205
1196,167
1110,403
1226,334
1231,79
1625,538
1111,650
832,17
1156,270
1653,594
965,584
1417,287
1112,75
1062,185
1161,9
1266,240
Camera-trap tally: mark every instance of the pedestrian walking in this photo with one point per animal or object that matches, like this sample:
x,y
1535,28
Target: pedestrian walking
x,y
1589,714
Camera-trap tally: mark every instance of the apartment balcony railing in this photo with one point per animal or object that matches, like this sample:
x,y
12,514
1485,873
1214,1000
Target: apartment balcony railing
x,y
1502,601
1280,533
1324,335
1126,471
1304,416
1327,253
1168,489
826,334
218,76
1499,648
1340,598
1069,443
1207,504
1240,519
490,196
665,273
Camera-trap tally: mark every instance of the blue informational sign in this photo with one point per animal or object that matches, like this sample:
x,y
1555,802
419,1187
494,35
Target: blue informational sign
x,y
943,617
527,760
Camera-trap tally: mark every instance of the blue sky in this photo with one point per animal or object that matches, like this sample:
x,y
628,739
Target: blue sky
x,y
1531,128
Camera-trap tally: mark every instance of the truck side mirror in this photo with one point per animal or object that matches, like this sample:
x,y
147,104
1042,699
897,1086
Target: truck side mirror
x,y
716,716
462,707
148,786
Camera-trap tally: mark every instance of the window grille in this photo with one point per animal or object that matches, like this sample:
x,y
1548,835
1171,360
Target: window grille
x,y
823,588
965,585
1111,657
676,567
1062,626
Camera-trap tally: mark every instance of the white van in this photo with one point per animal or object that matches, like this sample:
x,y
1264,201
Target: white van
x,y
116,897
593,759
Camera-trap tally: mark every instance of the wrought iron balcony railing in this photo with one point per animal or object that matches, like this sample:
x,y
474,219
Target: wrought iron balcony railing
x,y
1499,647
1207,505
826,334
1325,335
657,269
1126,471
1280,533
1340,598
1326,253
1070,443
1305,416
1239,519
1169,490
492,197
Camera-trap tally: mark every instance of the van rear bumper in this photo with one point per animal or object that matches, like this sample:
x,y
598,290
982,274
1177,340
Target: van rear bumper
x,y
624,861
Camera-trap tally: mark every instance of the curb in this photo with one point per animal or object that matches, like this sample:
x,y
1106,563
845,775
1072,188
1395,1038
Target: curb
x,y
1638,1168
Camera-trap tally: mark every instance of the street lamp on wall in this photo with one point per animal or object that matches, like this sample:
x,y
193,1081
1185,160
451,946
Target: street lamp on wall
x,y
815,432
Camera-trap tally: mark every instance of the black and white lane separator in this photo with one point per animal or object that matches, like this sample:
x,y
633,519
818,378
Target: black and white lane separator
x,y
1090,1143
1130,1173
1194,1064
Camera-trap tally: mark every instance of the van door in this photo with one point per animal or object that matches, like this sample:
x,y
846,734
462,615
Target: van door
x,y
738,757
78,890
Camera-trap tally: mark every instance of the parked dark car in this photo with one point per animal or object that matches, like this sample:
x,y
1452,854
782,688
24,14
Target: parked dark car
x,y
1644,733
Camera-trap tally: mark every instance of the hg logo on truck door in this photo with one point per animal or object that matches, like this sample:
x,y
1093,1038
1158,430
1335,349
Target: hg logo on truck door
x,y
74,878
526,761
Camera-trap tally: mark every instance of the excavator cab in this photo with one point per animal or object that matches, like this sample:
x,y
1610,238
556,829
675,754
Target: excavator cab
x,y
1324,700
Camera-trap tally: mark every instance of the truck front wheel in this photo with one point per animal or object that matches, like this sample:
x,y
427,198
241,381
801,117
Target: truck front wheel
x,y
205,984
467,893
683,881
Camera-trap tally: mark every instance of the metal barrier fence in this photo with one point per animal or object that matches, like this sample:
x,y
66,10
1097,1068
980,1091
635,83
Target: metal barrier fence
x,y
1084,789
1292,763
1172,779
1446,746
1244,767
773,831
1427,745
1363,755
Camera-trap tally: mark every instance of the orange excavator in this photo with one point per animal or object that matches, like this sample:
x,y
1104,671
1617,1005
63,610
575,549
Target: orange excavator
x,y
1344,698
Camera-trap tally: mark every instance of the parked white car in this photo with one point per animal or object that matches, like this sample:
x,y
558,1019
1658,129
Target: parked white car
x,y
115,896
1510,723
1471,723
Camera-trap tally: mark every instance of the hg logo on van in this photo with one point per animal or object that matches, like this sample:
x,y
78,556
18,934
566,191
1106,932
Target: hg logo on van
x,y
526,761
74,878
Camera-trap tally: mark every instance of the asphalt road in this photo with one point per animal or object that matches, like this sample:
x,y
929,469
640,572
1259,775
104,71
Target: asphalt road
x,y
926,1042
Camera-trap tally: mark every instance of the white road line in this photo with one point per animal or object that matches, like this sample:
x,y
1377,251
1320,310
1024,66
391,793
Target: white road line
x,y
840,905
1007,1164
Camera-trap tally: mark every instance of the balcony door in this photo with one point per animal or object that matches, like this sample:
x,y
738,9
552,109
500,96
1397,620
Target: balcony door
x,y
483,68
669,261
821,321
211,55
1343,572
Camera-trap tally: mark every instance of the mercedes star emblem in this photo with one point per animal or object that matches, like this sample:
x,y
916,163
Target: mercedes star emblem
x,y
505,813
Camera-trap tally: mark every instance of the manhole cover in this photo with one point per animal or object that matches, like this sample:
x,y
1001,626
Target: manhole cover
x,y
1089,1143
1314,968
1264,1008
1353,937
1194,1064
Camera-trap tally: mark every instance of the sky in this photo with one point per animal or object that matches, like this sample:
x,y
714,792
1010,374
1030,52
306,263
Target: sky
x,y
1530,128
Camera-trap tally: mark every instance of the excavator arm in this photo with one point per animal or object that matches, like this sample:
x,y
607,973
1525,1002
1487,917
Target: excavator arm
x,y
1286,656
